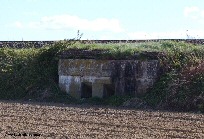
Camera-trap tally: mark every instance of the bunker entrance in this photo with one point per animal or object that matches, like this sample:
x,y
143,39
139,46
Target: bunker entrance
x,y
109,90
86,90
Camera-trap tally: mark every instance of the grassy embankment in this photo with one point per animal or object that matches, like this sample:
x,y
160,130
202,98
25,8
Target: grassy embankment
x,y
31,73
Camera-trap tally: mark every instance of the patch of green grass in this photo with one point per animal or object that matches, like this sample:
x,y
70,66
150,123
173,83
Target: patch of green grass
x,y
111,101
93,101
116,100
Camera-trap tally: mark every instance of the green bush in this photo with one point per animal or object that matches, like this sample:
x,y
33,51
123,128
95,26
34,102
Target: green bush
x,y
28,73
116,100
159,92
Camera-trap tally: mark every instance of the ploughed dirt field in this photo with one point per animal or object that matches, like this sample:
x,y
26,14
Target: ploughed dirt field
x,y
37,120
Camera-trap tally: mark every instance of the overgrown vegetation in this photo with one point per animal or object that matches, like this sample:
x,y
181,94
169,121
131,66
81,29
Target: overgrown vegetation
x,y
29,73
32,73
181,88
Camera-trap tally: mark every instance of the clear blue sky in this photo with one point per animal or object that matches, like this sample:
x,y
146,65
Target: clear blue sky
x,y
101,19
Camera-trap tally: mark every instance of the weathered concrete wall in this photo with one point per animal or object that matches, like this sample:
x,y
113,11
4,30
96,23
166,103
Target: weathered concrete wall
x,y
102,78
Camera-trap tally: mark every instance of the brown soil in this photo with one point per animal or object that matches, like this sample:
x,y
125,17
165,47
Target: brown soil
x,y
37,120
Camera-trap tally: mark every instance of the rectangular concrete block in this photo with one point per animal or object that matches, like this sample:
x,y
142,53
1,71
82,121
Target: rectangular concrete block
x,y
84,67
103,80
127,77
97,90
71,85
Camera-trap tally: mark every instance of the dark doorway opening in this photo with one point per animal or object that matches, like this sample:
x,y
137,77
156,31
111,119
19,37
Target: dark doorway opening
x,y
86,91
109,90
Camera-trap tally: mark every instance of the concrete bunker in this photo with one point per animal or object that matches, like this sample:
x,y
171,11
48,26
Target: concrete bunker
x,y
85,78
